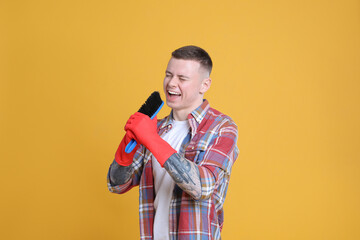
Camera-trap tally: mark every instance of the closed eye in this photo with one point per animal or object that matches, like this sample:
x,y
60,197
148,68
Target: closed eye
x,y
168,74
183,78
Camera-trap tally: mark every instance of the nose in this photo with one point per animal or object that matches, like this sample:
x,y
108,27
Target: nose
x,y
172,82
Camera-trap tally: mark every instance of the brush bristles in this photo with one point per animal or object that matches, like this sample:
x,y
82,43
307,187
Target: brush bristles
x,y
151,105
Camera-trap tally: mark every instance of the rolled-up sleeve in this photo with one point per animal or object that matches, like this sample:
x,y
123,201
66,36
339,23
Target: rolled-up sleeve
x,y
218,159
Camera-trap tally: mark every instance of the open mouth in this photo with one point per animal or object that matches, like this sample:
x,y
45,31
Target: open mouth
x,y
171,93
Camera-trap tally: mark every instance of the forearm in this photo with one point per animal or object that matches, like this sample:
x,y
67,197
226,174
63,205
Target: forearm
x,y
120,174
185,174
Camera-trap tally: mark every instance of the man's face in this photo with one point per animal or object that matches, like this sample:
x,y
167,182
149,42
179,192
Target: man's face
x,y
185,83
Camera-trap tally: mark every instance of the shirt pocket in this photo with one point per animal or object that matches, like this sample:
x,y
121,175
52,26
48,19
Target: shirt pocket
x,y
195,153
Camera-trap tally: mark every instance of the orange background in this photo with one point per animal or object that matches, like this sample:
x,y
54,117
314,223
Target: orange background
x,y
287,72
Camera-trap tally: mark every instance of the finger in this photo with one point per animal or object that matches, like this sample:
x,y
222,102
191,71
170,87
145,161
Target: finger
x,y
128,126
130,120
130,135
139,114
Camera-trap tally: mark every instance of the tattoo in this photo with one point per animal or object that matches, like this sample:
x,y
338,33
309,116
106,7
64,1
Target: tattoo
x,y
185,174
120,174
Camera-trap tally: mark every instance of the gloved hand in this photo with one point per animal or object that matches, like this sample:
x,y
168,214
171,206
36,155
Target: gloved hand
x,y
143,130
121,157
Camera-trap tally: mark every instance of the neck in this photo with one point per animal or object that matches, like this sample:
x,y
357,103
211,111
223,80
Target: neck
x,y
180,115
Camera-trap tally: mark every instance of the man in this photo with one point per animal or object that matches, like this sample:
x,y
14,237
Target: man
x,y
183,162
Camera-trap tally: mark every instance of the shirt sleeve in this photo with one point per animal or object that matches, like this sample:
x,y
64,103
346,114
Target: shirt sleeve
x,y
216,164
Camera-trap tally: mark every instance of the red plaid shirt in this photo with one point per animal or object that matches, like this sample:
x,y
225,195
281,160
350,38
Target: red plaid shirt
x,y
211,144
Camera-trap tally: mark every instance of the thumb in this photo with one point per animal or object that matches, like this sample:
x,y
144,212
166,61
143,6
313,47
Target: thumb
x,y
129,135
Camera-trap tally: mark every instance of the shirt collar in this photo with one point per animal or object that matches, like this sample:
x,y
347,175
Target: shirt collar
x,y
194,118
199,113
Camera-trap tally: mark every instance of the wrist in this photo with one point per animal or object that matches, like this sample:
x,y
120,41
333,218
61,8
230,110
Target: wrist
x,y
160,149
121,157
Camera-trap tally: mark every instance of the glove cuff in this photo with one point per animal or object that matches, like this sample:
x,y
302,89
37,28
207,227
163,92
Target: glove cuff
x,y
123,158
161,150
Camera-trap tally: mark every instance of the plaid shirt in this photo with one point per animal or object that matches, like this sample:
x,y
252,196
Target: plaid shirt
x,y
211,144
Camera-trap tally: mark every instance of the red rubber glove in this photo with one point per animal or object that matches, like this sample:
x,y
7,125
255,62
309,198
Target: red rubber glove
x,y
143,130
121,157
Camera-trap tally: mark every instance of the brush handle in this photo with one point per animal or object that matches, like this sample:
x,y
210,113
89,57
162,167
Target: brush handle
x,y
132,144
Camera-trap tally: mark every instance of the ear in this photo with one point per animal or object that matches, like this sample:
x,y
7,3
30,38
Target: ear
x,y
205,85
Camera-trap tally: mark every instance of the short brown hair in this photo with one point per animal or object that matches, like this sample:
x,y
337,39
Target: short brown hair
x,y
194,53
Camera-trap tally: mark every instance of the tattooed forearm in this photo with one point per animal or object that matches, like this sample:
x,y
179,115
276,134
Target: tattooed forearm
x,y
185,174
120,174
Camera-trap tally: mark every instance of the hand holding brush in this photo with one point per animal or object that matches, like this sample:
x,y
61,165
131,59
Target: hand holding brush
x,y
124,154
150,108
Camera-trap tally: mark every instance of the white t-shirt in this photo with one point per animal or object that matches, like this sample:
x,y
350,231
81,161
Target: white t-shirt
x,y
164,184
